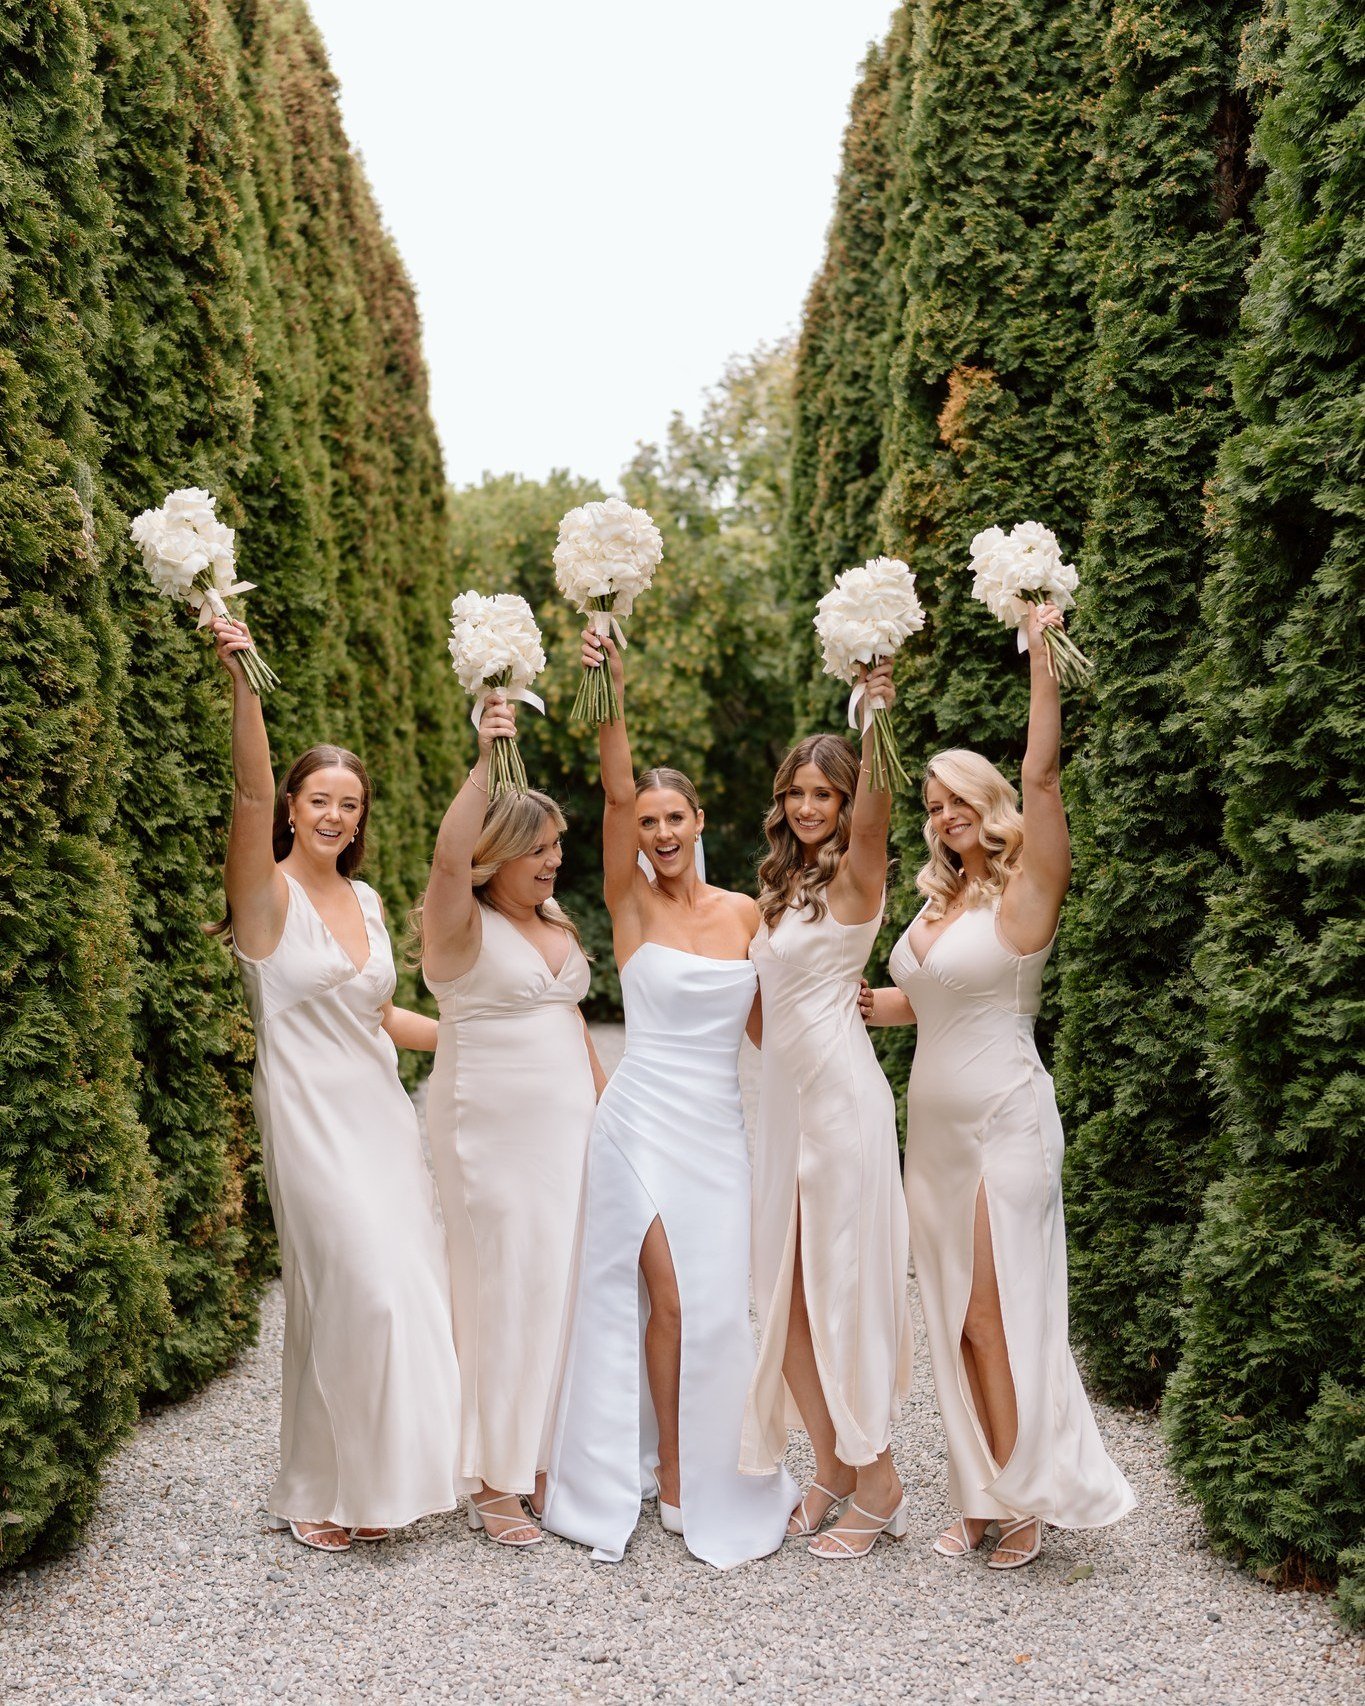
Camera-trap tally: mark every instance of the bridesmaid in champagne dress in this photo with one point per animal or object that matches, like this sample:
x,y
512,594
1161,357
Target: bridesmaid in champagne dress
x,y
653,1397
369,1435
983,1154
831,1244
509,1109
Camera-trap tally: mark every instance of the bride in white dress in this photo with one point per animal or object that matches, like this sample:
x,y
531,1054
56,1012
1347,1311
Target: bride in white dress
x,y
664,1278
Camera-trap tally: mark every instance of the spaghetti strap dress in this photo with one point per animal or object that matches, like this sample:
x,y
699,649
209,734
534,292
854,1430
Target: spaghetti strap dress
x,y
369,1432
981,1113
826,1156
509,1109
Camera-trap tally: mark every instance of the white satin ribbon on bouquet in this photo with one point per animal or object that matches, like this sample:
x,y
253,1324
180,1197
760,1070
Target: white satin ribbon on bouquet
x,y
523,695
603,622
869,710
208,600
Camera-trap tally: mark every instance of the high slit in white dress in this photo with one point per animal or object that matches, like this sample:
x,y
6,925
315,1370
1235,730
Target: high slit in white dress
x,y
669,1141
981,1113
370,1429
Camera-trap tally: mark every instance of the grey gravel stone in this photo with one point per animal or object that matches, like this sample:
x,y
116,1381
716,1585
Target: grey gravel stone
x,y
188,1597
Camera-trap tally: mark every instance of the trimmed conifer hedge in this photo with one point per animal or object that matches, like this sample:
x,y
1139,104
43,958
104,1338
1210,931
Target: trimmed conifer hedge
x,y
1171,152
1266,1413
195,288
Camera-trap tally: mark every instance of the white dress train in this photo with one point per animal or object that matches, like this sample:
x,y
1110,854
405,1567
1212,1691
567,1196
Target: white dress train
x,y
981,1115
669,1141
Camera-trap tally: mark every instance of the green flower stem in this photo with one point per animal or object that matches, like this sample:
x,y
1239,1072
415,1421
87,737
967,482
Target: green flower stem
x,y
595,701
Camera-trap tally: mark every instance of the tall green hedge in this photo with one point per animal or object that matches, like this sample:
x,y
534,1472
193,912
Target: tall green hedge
x,y
195,288
1171,151
81,1292
1266,1413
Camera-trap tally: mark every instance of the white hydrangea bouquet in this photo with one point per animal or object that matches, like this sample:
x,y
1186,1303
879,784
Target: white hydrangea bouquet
x,y
606,557
1022,567
864,618
495,646
188,553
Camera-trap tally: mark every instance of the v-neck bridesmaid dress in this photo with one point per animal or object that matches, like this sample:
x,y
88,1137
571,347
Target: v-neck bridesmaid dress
x,y
981,1115
509,1110
371,1390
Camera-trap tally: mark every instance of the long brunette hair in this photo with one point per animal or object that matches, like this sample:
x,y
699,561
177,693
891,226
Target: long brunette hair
x,y
352,855
785,864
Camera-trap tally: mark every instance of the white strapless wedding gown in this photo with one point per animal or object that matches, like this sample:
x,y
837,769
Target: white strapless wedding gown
x,y
669,1141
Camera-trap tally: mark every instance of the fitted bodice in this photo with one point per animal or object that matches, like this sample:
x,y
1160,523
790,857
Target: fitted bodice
x,y
509,977
309,964
808,969
969,965
685,1003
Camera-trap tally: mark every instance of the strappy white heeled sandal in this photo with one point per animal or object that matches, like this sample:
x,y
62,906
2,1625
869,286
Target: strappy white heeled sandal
x,y
893,1527
669,1515
521,1524
1015,1557
368,1536
955,1542
319,1538
831,1513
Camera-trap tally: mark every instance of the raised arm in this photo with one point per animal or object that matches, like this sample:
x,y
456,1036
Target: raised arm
x,y
1033,900
858,886
621,873
450,917
256,890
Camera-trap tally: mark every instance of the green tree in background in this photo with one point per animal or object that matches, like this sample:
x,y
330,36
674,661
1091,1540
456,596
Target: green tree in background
x,y
706,678
81,1293
1266,1413
1172,154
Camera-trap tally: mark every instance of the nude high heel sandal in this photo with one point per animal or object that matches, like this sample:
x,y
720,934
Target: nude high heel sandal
x,y
832,1512
893,1527
1007,1557
530,1532
954,1541
320,1539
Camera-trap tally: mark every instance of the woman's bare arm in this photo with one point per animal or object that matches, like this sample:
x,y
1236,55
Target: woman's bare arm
x,y
256,890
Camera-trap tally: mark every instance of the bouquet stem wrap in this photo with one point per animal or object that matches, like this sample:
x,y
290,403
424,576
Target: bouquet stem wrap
x,y
506,769
887,770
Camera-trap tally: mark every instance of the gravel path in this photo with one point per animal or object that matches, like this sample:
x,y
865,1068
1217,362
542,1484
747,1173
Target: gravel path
x,y
179,1594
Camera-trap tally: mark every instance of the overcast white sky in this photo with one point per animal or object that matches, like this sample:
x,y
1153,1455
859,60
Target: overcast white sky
x,y
599,201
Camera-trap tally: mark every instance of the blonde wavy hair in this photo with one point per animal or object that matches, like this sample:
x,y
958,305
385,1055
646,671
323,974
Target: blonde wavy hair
x,y
992,797
513,826
784,877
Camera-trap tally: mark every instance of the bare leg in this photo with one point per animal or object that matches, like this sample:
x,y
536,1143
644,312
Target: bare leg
x,y
663,1352
503,1516
988,1364
536,1500
802,1375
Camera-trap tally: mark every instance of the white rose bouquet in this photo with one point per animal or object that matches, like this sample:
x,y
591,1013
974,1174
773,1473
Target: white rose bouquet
x,y
495,644
866,617
606,557
1022,567
188,553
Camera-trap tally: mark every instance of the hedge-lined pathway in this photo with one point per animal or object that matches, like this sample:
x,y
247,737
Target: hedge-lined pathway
x,y
179,1594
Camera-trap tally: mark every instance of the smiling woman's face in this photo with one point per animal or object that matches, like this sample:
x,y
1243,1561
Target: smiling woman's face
x,y
326,811
529,880
955,823
668,829
811,805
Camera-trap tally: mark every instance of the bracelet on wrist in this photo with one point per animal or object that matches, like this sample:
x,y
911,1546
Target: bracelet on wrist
x,y
481,786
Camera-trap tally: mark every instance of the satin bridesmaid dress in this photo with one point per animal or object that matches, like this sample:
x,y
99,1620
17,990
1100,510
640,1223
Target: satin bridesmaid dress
x,y
981,1112
509,1108
370,1430
669,1142
826,1145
